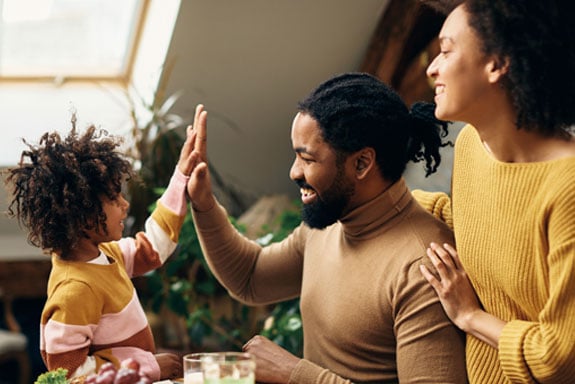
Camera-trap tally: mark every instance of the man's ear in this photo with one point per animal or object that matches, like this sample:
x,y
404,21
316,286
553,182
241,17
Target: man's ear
x,y
496,68
364,162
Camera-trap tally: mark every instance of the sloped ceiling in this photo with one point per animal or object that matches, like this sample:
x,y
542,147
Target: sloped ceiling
x,y
250,61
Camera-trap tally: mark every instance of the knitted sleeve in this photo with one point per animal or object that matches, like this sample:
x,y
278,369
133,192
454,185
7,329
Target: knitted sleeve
x,y
251,273
151,248
67,327
307,372
436,203
543,351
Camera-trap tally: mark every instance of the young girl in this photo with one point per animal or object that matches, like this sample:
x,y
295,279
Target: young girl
x,y
506,67
67,192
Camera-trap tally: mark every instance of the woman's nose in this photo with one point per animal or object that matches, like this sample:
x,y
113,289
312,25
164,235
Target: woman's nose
x,y
432,68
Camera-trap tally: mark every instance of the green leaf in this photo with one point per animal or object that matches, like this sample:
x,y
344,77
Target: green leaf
x,y
57,376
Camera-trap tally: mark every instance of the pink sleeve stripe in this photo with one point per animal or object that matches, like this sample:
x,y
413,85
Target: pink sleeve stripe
x,y
60,337
128,248
174,198
120,326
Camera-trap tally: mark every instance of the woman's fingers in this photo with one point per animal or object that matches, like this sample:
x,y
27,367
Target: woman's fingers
x,y
430,277
442,255
454,256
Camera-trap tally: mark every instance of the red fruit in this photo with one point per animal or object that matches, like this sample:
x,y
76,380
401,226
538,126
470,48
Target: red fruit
x,y
131,363
108,366
106,377
126,376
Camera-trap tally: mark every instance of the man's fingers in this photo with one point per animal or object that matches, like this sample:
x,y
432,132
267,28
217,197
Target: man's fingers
x,y
200,127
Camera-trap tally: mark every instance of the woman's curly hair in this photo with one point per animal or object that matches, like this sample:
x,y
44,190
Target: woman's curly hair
x,y
537,38
58,186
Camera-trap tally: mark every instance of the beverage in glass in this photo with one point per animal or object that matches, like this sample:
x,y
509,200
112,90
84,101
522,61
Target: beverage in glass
x,y
229,368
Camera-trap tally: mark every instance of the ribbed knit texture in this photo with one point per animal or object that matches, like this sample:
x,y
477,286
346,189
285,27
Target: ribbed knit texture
x,y
515,232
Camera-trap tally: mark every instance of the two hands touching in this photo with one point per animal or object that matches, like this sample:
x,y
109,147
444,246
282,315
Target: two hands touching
x,y
458,297
273,363
193,162
450,281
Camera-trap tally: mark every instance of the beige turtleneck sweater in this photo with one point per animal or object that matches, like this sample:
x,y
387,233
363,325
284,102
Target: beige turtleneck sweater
x,y
515,232
368,314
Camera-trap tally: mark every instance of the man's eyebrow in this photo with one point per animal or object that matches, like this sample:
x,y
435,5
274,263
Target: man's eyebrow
x,y
301,150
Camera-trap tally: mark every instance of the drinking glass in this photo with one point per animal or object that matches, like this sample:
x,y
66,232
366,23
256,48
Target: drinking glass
x,y
193,368
228,368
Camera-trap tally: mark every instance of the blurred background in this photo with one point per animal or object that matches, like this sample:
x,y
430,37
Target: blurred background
x,y
137,68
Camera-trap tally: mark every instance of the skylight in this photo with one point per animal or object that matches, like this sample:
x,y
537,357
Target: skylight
x,y
68,38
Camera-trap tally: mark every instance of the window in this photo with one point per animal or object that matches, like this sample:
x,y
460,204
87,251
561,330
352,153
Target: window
x,y
81,55
68,39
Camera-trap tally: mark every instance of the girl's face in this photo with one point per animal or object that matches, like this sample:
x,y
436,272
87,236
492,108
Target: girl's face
x,y
461,71
116,212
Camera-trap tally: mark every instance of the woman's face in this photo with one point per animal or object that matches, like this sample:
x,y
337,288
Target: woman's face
x,y
461,71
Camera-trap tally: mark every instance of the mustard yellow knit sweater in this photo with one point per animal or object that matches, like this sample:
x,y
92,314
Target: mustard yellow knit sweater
x,y
515,232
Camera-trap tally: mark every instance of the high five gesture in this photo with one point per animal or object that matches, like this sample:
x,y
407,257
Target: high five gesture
x,y
199,185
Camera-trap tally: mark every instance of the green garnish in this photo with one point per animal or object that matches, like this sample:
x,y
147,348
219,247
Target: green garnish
x,y
57,376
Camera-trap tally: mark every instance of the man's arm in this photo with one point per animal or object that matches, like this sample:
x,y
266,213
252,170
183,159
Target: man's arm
x,y
430,348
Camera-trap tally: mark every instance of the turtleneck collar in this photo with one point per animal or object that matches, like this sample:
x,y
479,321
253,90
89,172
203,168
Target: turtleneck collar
x,y
365,220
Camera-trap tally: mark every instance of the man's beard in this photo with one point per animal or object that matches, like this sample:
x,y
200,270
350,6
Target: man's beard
x,y
328,209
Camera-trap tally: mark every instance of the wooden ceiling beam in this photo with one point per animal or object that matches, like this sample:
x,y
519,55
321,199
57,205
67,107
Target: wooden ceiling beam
x,y
402,36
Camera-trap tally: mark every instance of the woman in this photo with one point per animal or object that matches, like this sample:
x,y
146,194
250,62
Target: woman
x,y
507,69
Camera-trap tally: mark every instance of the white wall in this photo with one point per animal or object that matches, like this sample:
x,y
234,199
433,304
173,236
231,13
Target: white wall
x,y
250,61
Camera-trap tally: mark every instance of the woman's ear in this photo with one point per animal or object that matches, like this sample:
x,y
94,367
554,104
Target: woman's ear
x,y
496,68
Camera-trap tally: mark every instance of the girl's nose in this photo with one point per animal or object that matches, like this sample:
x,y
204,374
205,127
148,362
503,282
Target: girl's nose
x,y
125,203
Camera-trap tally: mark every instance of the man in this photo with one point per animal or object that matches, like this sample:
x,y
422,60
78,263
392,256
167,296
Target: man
x,y
368,314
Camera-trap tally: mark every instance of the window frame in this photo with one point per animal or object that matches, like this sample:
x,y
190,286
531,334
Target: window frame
x,y
123,78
